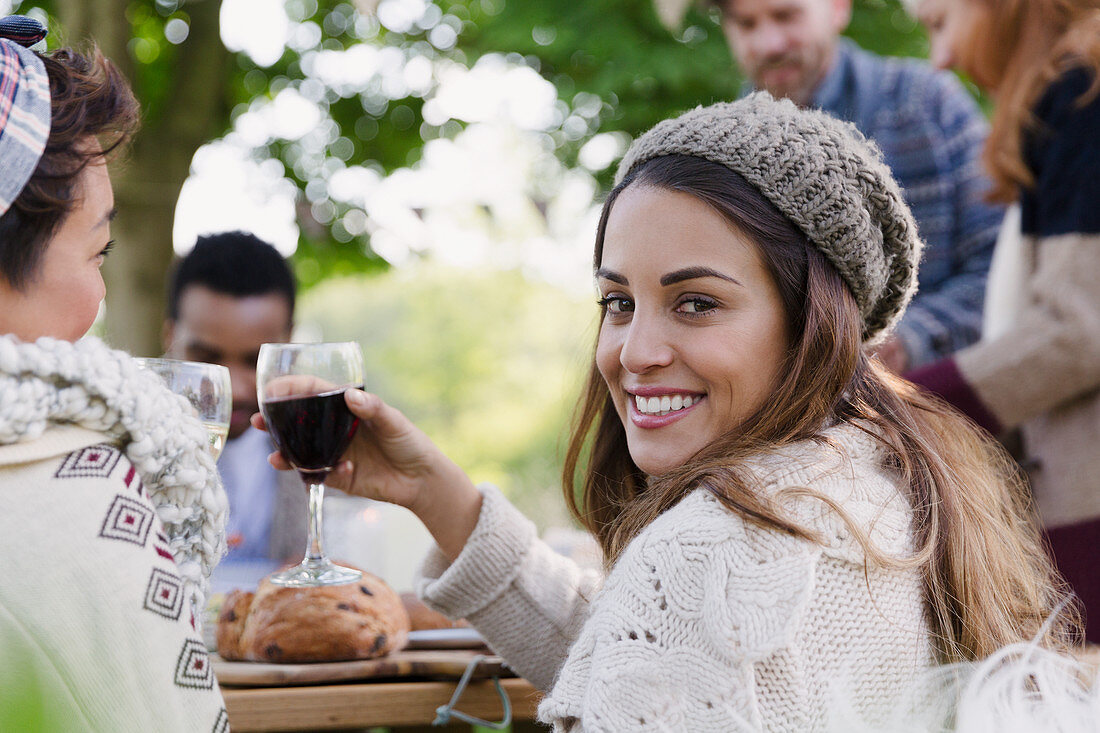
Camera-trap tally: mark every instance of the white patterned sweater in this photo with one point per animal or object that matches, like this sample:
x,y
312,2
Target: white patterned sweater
x,y
708,622
96,625
113,518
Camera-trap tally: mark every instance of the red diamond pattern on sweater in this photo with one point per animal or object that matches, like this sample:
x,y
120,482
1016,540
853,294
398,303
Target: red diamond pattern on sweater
x,y
193,666
162,548
164,594
127,520
133,481
97,461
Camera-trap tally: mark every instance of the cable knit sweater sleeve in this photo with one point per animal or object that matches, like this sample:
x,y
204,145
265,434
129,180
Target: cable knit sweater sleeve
x,y
527,600
710,622
692,604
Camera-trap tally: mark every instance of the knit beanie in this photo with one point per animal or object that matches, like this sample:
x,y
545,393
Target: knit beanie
x,y
821,174
24,105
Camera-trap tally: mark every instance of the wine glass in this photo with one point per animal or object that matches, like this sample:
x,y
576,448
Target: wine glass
x,y
206,387
301,394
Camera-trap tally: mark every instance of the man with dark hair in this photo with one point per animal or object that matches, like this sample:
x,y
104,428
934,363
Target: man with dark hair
x,y
228,295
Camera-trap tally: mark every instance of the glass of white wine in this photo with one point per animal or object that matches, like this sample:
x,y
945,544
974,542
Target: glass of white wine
x,y
206,387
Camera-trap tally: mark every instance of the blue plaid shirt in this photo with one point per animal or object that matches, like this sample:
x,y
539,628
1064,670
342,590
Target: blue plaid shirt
x,y
931,134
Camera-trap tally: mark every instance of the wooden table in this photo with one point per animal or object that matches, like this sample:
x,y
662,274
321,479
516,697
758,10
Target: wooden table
x,y
402,689
394,703
370,704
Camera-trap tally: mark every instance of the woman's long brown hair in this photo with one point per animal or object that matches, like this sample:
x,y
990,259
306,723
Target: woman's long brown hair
x,y
987,577
1028,44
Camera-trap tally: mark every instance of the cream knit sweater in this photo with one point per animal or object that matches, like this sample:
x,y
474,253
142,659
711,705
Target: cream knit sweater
x,y
113,517
96,624
708,622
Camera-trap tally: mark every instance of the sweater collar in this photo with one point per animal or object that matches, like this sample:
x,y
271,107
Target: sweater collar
x,y
56,441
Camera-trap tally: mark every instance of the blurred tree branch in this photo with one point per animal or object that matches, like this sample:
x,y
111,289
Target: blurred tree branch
x,y
615,64
184,104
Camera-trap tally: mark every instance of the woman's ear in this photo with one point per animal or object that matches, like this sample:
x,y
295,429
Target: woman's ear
x,y
842,14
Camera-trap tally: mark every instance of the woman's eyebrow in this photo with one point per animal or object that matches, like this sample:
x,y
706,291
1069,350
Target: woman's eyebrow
x,y
691,273
611,275
107,218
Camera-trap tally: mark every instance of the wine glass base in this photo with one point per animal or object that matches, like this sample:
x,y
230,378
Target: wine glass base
x,y
315,572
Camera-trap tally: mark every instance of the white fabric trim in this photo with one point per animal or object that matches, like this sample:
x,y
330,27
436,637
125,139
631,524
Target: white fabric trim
x,y
1007,277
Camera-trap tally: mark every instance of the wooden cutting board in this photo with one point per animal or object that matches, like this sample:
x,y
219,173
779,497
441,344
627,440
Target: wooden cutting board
x,y
425,663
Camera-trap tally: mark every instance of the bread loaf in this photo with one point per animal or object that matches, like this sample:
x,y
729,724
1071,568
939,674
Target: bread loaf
x,y
360,620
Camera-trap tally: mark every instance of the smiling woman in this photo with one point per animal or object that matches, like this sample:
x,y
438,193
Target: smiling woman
x,y
789,532
694,332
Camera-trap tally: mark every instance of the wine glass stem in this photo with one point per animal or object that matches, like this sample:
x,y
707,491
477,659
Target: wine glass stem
x,y
316,550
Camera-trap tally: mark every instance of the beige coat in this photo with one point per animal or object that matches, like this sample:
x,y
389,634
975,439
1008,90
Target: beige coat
x,y
1043,374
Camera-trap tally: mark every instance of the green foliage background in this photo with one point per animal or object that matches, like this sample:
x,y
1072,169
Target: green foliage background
x,y
613,55
486,363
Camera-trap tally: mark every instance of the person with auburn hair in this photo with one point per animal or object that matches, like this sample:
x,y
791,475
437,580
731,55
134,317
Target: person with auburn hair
x,y
788,528
114,514
1038,364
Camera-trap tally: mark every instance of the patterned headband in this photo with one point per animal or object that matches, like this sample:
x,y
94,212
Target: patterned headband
x,y
24,105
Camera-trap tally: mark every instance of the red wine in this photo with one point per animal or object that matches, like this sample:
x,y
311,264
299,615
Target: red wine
x,y
312,432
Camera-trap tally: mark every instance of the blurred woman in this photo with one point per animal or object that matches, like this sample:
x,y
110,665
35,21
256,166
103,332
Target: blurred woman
x,y
113,510
788,530
1038,364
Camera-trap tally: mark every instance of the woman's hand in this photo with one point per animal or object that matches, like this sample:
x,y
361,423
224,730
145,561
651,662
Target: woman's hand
x,y
392,460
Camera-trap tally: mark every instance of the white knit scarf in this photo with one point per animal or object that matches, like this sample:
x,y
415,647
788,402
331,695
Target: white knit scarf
x,y
88,384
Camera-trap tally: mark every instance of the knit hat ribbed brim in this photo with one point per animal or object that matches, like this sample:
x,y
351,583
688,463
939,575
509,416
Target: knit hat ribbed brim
x,y
824,176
